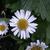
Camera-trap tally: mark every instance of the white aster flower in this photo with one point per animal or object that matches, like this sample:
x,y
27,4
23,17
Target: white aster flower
x,y
3,27
37,46
23,24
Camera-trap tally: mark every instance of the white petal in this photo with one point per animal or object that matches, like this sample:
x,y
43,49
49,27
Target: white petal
x,y
27,14
0,32
46,46
32,18
4,32
17,13
14,29
27,34
33,44
19,34
28,29
32,29
23,34
12,24
14,17
28,48
15,33
13,20
38,42
22,13
43,45
33,25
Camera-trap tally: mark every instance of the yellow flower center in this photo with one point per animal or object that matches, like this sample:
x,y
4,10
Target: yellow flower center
x,y
22,24
2,27
36,48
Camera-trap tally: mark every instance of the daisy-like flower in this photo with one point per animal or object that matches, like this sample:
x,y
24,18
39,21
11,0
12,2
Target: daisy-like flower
x,y
37,46
23,24
3,27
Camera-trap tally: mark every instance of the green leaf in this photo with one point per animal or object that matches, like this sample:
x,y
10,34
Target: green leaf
x,y
22,46
48,49
48,34
40,6
4,19
9,1
26,4
19,41
13,6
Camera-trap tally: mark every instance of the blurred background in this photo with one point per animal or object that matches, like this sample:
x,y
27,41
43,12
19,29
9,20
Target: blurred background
x,y
39,8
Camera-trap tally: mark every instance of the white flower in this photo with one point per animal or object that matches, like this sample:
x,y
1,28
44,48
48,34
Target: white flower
x,y
37,46
3,27
23,24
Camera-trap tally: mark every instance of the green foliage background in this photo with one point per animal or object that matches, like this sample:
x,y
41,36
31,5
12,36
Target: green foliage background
x,y
39,8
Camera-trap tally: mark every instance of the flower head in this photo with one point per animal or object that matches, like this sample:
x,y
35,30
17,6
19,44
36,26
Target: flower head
x,y
23,24
3,27
37,46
